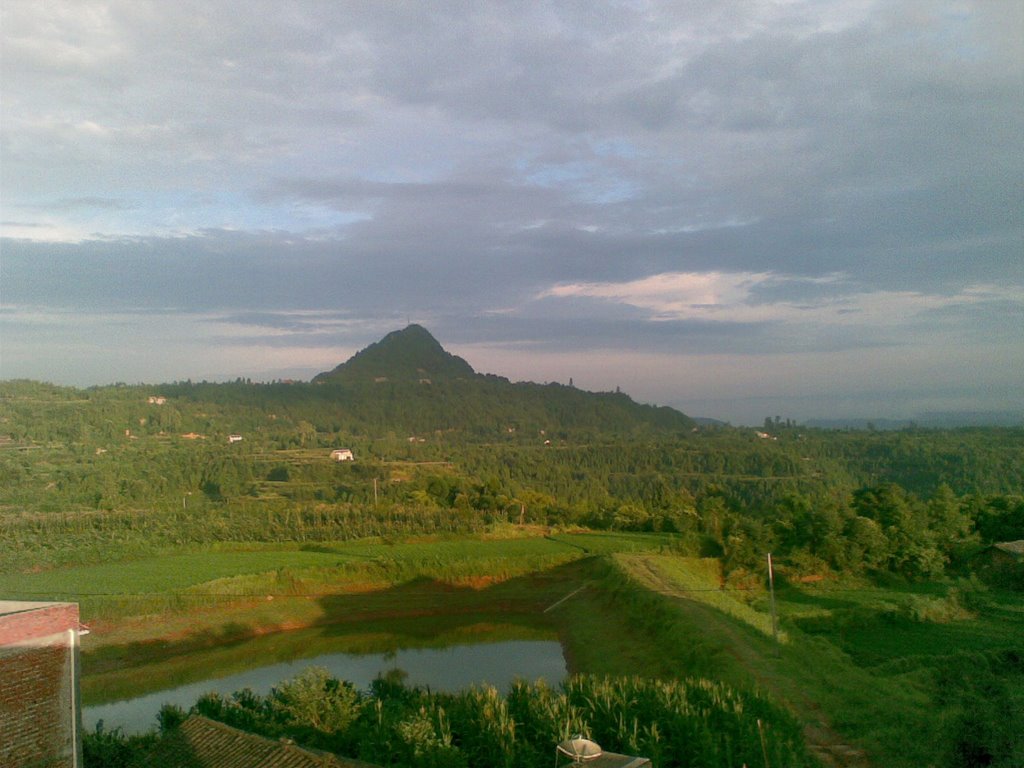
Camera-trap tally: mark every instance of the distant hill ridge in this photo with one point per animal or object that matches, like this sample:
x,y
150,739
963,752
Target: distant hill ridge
x,y
407,380
411,354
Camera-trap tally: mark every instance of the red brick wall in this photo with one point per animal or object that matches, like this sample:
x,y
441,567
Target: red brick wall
x,y
38,695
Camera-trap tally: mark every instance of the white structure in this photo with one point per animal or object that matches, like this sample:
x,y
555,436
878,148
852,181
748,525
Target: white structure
x,y
234,438
578,752
342,454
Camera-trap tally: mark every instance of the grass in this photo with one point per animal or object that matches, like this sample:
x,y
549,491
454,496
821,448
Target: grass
x,y
878,627
163,573
697,579
179,580
869,674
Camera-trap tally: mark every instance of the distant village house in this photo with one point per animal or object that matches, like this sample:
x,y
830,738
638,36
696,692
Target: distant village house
x,y
1002,563
342,454
234,438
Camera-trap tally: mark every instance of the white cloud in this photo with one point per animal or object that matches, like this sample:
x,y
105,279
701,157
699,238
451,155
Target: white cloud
x,y
733,297
678,295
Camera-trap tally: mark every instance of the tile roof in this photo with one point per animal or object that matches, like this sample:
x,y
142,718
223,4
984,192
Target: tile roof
x,y
1011,547
203,743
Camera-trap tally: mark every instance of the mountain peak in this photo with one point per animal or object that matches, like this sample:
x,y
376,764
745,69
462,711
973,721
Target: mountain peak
x,y
411,354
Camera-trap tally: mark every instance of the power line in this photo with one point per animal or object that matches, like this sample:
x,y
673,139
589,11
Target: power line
x,y
679,592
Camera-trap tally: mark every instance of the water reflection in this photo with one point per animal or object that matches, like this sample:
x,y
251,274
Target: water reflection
x,y
448,669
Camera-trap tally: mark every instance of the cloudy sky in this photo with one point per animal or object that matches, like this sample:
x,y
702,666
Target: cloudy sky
x,y
740,208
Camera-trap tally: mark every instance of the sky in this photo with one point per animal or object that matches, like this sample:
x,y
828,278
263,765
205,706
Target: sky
x,y
741,209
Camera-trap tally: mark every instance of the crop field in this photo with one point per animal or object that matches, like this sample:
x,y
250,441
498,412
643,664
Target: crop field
x,y
453,558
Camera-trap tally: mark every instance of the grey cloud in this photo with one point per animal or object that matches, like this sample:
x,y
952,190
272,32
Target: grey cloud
x,y
68,204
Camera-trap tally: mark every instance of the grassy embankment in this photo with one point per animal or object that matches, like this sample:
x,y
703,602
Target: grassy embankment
x,y
923,675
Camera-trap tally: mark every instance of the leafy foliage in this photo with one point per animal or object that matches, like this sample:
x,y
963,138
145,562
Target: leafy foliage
x,y
676,723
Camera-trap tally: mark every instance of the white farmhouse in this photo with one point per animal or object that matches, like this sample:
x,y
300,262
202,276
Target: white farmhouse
x,y
342,454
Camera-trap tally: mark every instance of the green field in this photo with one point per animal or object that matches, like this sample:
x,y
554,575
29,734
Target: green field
x,y
290,568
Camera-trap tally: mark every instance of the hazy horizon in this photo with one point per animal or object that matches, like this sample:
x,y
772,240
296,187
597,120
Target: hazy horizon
x,y
871,407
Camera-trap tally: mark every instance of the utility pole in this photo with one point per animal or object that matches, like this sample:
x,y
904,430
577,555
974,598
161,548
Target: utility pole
x,y
771,592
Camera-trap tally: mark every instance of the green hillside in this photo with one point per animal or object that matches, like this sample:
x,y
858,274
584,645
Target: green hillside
x,y
408,382
411,355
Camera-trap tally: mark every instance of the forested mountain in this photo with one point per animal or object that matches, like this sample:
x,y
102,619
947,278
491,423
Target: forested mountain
x,y
411,354
407,382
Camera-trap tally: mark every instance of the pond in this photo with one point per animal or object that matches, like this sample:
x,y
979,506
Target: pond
x,y
448,669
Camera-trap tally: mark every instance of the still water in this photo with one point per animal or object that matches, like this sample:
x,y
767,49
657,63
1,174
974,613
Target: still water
x,y
443,669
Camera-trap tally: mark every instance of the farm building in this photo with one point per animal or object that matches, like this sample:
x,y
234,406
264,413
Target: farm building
x,y
342,454
40,704
1009,551
1003,563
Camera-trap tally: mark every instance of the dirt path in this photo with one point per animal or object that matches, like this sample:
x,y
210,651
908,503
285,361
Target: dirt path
x,y
822,740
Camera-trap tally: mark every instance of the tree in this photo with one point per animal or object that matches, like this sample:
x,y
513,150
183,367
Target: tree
x,y
949,521
630,517
904,522
314,699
